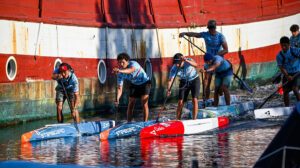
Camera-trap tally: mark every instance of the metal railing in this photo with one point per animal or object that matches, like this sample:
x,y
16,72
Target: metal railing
x,y
284,148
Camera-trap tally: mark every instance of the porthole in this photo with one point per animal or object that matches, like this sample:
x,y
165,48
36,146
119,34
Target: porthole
x,y
102,71
148,68
57,63
11,68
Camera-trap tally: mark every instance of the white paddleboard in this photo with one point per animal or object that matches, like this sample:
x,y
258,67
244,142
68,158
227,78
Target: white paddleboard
x,y
268,113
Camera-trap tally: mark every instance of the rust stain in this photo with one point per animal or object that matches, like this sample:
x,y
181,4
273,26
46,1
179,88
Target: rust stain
x,y
238,38
14,39
143,49
24,34
161,44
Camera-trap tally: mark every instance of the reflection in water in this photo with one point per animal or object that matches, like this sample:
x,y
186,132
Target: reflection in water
x,y
81,150
240,145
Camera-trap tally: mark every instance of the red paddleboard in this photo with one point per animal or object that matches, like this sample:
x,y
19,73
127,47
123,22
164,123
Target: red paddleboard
x,y
185,127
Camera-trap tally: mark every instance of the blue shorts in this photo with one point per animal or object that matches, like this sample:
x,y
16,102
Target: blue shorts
x,y
226,80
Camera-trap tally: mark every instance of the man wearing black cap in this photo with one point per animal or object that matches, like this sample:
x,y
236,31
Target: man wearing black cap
x,y
215,43
185,68
67,88
223,78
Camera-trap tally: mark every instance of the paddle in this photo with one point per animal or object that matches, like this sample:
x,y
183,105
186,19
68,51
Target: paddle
x,y
277,90
235,75
241,82
203,91
165,101
276,78
69,103
116,99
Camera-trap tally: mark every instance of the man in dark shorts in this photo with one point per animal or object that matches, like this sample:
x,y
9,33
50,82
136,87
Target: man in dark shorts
x,y
288,61
140,84
66,78
189,81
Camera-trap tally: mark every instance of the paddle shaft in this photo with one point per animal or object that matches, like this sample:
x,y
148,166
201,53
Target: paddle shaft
x,y
203,90
117,105
245,85
169,89
69,103
194,44
287,82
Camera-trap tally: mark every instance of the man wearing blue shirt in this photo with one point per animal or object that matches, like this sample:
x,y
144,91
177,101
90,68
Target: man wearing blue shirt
x,y
189,81
288,61
66,78
215,43
295,38
140,84
223,75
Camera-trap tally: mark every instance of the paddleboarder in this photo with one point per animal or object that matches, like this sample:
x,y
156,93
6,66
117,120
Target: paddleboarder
x,y
189,81
223,75
215,43
295,38
140,84
67,88
288,61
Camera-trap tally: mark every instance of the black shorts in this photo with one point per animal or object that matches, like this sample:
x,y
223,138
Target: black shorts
x,y
137,91
186,86
295,82
61,96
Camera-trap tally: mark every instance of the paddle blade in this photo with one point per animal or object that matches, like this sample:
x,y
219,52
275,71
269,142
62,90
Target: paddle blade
x,y
280,90
243,84
223,121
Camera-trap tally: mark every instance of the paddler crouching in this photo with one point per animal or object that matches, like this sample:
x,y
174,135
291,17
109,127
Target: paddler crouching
x,y
185,68
66,89
140,84
223,75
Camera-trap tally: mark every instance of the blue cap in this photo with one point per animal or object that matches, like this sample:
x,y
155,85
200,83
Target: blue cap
x,y
208,57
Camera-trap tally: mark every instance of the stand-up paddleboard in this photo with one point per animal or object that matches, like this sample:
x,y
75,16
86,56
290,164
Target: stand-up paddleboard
x,y
125,130
231,110
184,127
269,113
67,130
209,102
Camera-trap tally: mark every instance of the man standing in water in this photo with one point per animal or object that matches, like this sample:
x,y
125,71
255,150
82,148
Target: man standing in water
x,y
189,81
215,43
288,61
223,78
140,84
67,88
